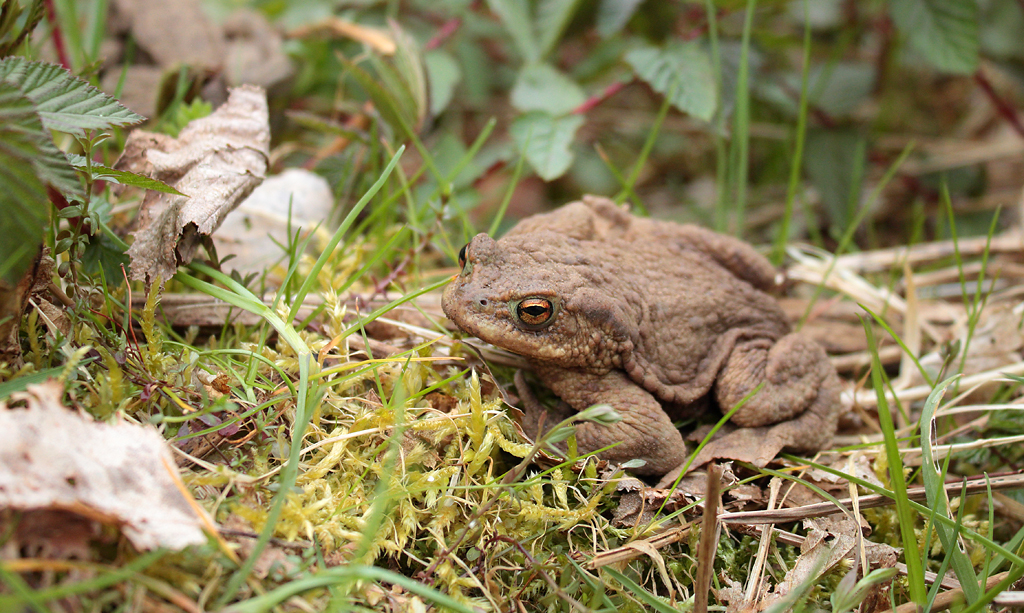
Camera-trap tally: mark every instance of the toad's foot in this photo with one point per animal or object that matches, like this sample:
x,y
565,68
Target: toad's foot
x,y
795,377
645,432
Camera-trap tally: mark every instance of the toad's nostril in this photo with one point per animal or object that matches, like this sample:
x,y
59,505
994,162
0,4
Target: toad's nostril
x,y
483,302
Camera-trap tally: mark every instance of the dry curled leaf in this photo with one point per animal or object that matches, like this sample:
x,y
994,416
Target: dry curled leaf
x,y
56,460
216,161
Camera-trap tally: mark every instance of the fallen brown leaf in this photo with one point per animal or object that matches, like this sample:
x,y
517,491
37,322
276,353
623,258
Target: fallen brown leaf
x,y
14,300
118,473
216,161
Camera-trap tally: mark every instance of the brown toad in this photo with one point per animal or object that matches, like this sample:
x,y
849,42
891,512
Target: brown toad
x,y
653,318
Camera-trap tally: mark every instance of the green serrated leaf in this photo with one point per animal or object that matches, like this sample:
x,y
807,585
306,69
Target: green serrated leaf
x,y
837,88
945,32
683,66
23,198
545,140
540,87
120,177
443,74
64,102
52,167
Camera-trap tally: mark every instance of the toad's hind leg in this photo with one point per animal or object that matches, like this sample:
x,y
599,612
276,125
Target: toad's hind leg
x,y
800,390
645,432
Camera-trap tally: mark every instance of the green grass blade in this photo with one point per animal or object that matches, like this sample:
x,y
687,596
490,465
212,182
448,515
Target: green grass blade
x,y
938,501
899,341
984,541
346,574
779,252
243,299
372,315
847,238
915,569
1012,576
739,160
101,580
654,602
311,278
307,398
652,137
517,172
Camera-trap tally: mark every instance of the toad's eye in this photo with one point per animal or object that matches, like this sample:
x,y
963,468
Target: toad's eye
x,y
462,256
535,312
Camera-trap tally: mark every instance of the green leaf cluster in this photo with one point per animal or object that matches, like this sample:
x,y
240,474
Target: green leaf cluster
x,y
35,99
550,101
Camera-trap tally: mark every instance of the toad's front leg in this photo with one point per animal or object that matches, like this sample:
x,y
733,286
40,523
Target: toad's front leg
x,y
645,432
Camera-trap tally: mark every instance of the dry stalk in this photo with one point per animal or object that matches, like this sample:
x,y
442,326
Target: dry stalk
x,y
973,486
709,531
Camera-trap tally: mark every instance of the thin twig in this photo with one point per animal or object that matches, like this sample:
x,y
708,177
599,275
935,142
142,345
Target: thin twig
x,y
947,599
973,486
628,552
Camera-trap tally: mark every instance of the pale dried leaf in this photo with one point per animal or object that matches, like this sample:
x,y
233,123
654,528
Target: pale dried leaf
x,y
994,341
54,459
651,551
857,465
829,540
217,160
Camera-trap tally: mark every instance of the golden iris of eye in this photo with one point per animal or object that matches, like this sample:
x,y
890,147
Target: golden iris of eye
x,y
462,256
535,311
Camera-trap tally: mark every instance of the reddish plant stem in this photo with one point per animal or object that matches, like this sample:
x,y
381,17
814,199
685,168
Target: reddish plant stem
x,y
445,32
593,101
60,203
57,35
1005,110
489,172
